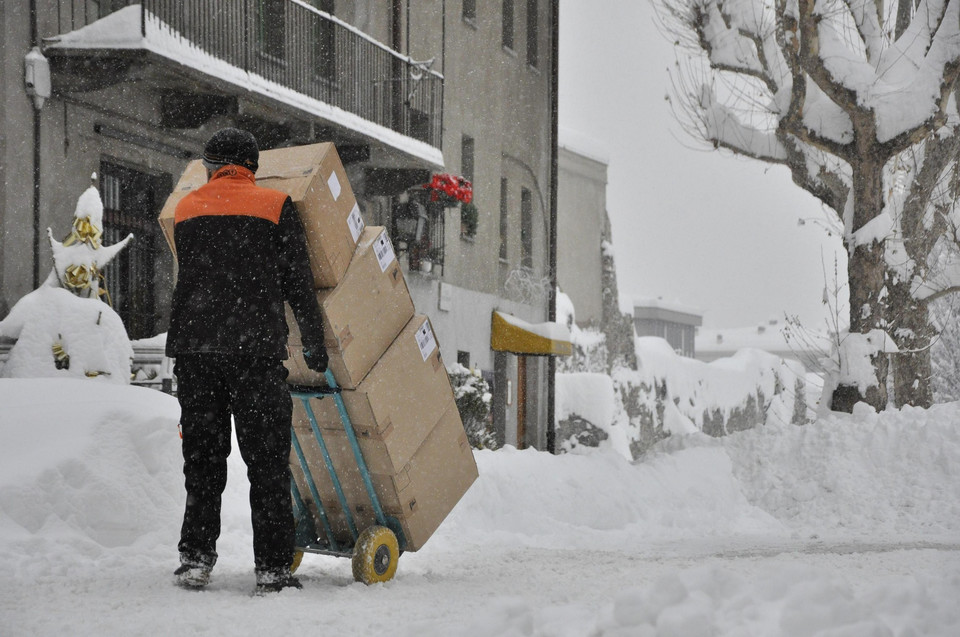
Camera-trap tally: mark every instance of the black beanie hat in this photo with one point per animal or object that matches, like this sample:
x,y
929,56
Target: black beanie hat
x,y
232,146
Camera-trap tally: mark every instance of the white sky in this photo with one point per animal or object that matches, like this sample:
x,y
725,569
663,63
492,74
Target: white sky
x,y
691,225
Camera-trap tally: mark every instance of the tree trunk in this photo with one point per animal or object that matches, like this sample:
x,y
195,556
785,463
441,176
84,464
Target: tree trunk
x,y
913,333
866,271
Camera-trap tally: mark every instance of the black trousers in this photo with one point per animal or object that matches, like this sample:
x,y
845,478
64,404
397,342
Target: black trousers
x,y
211,388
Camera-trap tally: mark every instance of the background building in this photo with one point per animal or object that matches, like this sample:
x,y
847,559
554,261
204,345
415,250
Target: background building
x,y
671,321
582,224
405,89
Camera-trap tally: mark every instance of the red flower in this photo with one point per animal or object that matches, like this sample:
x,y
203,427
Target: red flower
x,y
446,187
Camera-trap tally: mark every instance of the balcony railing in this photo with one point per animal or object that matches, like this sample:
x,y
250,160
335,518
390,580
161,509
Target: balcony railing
x,y
301,48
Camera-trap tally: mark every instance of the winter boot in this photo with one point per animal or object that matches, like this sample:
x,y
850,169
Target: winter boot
x,y
274,581
193,576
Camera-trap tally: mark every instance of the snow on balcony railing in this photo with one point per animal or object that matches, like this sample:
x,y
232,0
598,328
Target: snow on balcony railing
x,y
283,48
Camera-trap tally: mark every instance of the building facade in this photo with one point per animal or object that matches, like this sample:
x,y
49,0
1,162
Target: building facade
x,y
405,89
582,225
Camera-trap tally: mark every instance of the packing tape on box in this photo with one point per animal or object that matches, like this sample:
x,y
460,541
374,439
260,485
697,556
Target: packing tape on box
x,y
387,429
402,480
345,337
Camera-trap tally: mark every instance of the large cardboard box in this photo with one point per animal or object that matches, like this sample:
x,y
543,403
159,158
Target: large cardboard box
x,y
419,495
398,401
315,180
361,316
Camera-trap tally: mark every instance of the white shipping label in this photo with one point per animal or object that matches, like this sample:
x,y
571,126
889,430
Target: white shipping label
x,y
355,221
384,251
333,183
425,340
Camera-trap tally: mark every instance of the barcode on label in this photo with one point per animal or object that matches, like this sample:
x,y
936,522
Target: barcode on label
x,y
355,221
333,183
425,340
384,251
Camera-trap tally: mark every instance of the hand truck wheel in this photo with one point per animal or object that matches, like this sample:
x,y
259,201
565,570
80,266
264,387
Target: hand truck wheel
x,y
375,555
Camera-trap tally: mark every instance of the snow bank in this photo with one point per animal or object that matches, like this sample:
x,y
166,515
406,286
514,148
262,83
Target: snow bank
x,y
869,474
91,484
588,395
89,464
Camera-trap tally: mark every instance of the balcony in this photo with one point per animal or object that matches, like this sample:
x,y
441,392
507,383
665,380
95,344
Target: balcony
x,y
285,50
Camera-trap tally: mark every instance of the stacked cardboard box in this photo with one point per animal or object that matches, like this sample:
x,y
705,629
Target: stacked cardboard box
x,y
396,390
316,182
361,316
410,434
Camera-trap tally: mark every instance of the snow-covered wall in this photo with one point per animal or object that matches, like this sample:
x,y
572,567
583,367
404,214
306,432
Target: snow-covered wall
x,y
631,409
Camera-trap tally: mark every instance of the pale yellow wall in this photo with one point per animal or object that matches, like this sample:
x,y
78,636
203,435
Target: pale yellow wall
x,y
581,204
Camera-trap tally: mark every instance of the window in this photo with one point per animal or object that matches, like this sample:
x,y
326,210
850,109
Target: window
x,y
503,219
270,26
532,33
526,228
470,10
131,202
466,157
507,38
463,358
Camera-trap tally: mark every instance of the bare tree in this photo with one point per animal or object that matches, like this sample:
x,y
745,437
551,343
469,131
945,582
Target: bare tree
x,y
857,98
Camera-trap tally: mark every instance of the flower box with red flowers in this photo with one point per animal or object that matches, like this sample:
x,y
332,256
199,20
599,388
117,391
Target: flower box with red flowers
x,y
449,189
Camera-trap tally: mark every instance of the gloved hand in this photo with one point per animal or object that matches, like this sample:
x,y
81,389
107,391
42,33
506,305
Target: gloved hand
x,y
316,358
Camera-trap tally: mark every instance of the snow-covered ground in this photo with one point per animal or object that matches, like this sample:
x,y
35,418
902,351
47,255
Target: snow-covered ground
x,y
848,526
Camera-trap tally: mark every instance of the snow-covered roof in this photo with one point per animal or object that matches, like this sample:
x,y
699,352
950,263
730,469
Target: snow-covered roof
x,y
667,310
768,337
672,305
121,30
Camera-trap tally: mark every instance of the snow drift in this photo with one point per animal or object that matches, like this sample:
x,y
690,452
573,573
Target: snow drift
x,y
584,543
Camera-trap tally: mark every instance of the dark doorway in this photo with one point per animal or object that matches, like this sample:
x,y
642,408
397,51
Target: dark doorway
x,y
131,203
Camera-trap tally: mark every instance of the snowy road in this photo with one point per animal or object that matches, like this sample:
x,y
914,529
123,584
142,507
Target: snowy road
x,y
482,591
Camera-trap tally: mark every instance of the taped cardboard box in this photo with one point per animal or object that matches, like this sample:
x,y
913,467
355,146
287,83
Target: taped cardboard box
x,y
361,316
399,400
420,495
315,180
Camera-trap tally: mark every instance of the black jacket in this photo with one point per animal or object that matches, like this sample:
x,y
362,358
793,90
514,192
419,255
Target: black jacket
x,y
241,253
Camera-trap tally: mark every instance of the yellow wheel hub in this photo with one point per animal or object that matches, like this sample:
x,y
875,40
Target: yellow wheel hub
x,y
375,555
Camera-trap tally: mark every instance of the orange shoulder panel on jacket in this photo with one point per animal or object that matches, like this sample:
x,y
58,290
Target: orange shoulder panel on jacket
x,y
231,193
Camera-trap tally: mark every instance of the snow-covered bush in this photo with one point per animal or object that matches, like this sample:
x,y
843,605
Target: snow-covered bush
x,y
589,345
472,393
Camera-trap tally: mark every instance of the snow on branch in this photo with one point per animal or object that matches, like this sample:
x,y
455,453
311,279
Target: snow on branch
x,y
726,130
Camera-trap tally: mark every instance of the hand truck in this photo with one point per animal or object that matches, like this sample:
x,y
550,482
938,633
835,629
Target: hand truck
x,y
375,549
